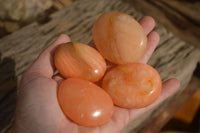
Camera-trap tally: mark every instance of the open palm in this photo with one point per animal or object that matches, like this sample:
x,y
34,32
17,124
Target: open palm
x,y
38,110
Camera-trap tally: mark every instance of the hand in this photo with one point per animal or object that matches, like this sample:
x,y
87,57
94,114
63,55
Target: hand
x,y
38,110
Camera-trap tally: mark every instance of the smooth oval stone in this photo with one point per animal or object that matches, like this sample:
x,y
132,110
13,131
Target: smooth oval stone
x,y
79,60
84,102
119,37
133,85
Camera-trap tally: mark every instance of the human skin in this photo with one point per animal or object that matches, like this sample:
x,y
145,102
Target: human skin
x,y
38,110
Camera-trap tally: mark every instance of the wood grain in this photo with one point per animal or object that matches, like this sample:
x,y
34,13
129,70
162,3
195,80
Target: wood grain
x,y
180,17
172,58
170,109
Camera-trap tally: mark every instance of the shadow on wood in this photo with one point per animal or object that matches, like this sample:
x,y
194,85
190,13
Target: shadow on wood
x,y
8,84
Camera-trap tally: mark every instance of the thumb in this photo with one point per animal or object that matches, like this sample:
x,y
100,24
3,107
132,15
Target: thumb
x,y
44,65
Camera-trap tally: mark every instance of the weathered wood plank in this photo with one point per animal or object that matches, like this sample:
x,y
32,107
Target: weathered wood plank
x,y
167,113
24,10
188,9
173,57
180,17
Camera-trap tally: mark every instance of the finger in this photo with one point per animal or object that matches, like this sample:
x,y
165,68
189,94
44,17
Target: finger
x,y
153,40
147,23
58,78
44,64
168,89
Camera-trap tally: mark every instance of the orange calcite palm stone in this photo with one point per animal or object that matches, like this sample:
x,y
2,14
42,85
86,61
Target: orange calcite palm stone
x,y
78,60
84,102
119,37
133,85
